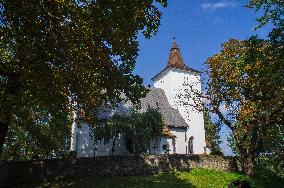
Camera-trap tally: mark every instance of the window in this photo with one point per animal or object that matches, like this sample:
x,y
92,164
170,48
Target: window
x,y
190,145
185,81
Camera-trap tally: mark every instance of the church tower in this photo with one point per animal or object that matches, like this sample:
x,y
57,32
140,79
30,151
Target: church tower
x,y
178,81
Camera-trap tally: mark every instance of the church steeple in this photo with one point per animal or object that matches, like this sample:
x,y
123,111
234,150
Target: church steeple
x,y
175,59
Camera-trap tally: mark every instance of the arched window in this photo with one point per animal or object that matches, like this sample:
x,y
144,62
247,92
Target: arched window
x,y
190,145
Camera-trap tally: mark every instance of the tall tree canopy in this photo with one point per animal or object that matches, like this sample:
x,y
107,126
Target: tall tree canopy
x,y
58,55
246,85
245,90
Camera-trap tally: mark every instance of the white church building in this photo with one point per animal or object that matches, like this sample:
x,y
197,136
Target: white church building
x,y
184,126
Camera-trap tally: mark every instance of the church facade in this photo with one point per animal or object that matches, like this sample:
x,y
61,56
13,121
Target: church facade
x,y
184,125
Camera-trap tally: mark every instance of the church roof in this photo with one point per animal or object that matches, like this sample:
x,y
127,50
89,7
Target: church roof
x,y
175,61
156,98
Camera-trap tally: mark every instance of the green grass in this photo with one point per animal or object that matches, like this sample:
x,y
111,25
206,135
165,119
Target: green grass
x,y
196,178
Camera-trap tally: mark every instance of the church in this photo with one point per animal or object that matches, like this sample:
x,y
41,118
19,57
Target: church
x,y
183,132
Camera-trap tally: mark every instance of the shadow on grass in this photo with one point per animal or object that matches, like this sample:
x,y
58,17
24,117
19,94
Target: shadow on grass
x,y
164,180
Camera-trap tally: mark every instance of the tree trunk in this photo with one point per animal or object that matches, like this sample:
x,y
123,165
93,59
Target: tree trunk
x,y
248,164
12,90
113,145
3,133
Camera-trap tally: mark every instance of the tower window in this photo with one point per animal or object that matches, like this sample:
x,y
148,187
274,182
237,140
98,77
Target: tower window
x,y
185,81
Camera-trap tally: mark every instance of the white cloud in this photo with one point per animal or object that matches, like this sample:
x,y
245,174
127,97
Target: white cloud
x,y
218,5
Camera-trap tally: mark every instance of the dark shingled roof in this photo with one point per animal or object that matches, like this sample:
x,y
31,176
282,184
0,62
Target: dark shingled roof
x,y
175,62
156,98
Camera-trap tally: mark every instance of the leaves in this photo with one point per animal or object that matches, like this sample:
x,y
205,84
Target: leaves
x,y
212,137
246,92
140,128
272,12
61,56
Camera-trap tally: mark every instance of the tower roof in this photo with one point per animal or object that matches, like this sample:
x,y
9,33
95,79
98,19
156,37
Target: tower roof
x,y
175,61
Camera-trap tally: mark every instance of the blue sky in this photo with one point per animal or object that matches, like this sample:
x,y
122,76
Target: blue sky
x,y
199,26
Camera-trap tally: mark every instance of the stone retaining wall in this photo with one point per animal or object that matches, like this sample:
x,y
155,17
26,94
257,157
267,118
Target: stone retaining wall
x,y
23,172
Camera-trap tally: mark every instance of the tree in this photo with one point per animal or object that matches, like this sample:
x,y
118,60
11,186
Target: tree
x,y
273,12
144,127
42,139
245,90
245,87
138,127
212,136
111,129
60,56
29,142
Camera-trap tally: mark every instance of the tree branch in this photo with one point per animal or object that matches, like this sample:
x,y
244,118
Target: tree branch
x,y
222,118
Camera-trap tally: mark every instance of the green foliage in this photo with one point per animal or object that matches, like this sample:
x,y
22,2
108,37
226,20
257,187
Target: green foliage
x,y
246,81
138,127
273,12
269,172
233,144
216,152
60,56
212,136
195,178
271,162
43,138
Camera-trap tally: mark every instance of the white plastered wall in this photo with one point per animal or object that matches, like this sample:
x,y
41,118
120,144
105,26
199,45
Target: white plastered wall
x,y
157,145
82,140
175,83
180,140
84,145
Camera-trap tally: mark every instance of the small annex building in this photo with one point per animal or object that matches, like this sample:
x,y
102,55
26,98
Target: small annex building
x,y
184,125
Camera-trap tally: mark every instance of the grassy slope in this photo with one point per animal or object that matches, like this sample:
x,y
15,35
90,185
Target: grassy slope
x,y
196,178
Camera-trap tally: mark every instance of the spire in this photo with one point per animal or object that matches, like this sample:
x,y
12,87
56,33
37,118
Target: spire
x,y
174,46
175,59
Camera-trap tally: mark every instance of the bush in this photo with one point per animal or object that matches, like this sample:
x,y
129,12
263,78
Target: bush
x,y
217,152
